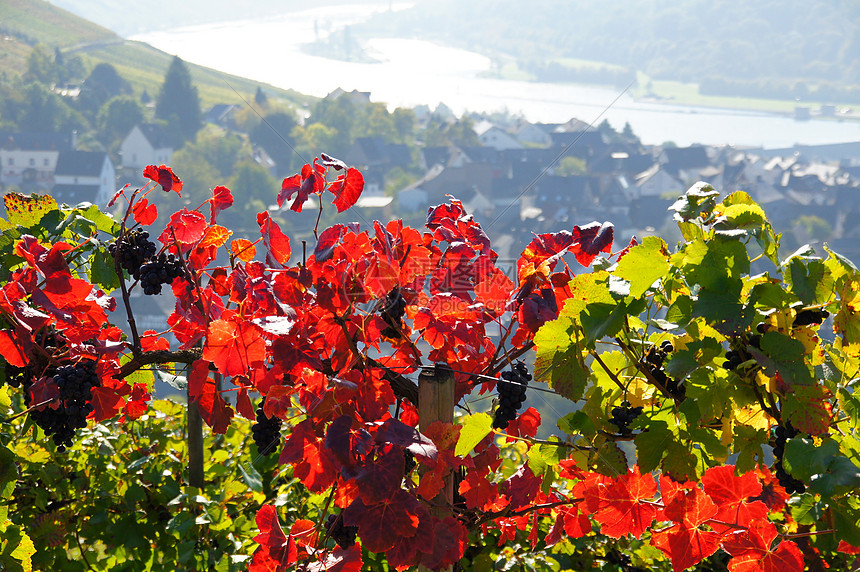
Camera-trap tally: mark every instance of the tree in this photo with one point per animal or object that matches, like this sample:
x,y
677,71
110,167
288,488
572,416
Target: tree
x,y
177,102
674,360
274,135
103,83
117,117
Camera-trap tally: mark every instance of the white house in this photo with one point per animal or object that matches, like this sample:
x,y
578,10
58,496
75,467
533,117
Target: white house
x,y
494,136
146,144
30,159
84,176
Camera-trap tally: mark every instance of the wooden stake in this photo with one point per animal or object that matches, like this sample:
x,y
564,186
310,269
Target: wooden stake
x,y
436,403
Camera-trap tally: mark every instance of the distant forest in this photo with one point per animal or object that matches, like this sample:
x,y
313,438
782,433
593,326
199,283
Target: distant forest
x,y
766,48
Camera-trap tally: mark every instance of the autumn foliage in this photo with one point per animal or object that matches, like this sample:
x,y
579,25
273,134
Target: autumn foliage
x,y
315,335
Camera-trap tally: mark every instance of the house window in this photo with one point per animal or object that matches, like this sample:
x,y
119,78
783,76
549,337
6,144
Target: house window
x,y
46,162
76,180
11,161
32,162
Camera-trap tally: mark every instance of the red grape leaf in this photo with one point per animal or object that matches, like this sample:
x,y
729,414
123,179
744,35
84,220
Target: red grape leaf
x,y
730,493
11,350
164,176
276,551
136,405
213,409
244,405
449,543
686,546
398,433
198,376
380,524
106,403
616,505
150,340
526,424
144,213
278,401
275,240
751,550
379,479
234,346
243,249
221,199
187,226
478,491
691,508
346,189
338,560
590,240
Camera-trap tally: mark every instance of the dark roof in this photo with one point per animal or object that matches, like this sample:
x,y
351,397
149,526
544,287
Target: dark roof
x,y
219,112
375,151
155,135
81,163
36,141
436,155
74,194
686,157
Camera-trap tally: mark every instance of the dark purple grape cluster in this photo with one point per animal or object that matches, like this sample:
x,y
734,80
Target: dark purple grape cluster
x,y
734,359
653,363
781,435
266,431
392,313
76,383
337,531
158,271
809,316
409,462
132,250
512,394
623,416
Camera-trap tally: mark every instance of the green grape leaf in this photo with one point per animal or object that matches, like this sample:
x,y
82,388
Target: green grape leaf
x,y
251,477
700,198
850,405
608,459
558,359
782,354
846,519
681,311
747,444
745,216
651,445
576,422
102,271
27,210
827,470
810,282
805,509
644,264
16,548
475,428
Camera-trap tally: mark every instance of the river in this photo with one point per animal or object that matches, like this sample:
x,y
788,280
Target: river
x,y
412,72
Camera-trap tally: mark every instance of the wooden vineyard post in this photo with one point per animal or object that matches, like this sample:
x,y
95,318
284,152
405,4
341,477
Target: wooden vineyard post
x,y
195,445
436,403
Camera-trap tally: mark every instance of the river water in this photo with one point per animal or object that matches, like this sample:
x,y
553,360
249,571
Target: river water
x,y
412,72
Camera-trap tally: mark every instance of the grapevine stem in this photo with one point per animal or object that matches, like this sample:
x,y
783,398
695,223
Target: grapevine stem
x,y
534,441
81,548
608,371
806,534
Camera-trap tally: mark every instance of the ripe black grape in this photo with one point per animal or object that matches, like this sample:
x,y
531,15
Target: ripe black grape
x,y
158,271
75,383
810,316
266,431
132,250
653,363
789,483
337,531
733,360
623,416
512,394
392,313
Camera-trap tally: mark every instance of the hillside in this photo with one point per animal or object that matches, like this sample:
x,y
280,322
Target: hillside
x,y
757,47
25,23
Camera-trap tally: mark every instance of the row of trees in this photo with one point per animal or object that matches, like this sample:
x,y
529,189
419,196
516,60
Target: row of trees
x,y
104,109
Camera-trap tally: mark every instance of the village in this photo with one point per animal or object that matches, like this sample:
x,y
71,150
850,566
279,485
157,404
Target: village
x,y
517,178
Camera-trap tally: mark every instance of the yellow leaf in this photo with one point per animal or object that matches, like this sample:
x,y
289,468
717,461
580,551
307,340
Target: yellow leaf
x,y
243,249
216,236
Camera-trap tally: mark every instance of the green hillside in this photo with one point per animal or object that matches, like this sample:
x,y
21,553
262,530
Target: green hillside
x,y
25,23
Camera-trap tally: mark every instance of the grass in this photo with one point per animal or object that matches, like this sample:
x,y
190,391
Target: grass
x,y
40,21
144,68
